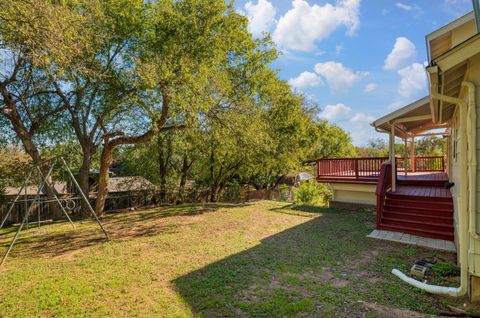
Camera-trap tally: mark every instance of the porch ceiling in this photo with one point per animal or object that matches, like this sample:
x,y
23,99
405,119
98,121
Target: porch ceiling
x,y
412,119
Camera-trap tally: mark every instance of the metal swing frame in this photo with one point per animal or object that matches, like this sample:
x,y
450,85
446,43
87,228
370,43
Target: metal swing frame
x,y
44,181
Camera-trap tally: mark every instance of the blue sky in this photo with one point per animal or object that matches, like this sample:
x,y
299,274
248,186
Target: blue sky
x,y
358,60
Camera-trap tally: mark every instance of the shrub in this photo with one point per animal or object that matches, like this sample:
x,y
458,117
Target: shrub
x,y
232,192
312,192
285,192
446,269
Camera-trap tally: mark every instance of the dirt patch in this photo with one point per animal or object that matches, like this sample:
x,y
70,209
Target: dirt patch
x,y
324,277
389,312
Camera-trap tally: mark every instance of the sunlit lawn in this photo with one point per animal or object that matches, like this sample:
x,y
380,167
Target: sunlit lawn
x,y
259,259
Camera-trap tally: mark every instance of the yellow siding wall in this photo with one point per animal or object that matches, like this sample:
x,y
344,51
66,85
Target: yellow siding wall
x,y
354,193
474,76
455,140
454,167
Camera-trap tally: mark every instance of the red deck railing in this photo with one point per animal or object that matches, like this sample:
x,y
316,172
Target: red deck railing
x,y
368,169
383,185
356,168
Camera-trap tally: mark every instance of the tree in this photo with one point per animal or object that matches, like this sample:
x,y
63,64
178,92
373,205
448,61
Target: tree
x,y
37,38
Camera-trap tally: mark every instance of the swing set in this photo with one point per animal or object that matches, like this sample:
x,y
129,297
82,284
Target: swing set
x,y
69,205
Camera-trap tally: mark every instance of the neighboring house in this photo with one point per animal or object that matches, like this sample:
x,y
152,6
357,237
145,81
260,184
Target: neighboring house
x,y
129,184
433,197
303,176
124,192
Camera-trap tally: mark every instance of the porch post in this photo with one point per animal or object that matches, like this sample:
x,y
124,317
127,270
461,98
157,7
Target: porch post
x,y
392,157
406,155
412,155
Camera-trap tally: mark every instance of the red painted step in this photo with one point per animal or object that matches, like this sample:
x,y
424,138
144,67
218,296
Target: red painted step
x,y
434,226
418,198
418,217
419,211
423,183
441,205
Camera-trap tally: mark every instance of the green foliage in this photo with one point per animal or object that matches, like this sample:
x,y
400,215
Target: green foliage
x,y
232,192
312,192
332,141
425,146
446,269
96,71
13,166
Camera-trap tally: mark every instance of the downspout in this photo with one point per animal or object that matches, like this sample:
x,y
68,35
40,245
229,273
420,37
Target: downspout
x,y
472,164
463,210
392,158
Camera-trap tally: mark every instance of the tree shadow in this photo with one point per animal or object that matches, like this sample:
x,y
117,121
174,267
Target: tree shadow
x,y
120,226
285,275
319,268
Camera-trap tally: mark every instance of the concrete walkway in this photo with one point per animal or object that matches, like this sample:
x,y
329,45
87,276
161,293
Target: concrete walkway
x,y
442,245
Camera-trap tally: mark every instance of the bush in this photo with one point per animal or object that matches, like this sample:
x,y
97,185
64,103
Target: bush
x,y
285,192
445,269
312,192
232,192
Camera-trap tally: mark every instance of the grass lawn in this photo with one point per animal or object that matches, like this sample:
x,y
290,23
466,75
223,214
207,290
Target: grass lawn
x,y
258,259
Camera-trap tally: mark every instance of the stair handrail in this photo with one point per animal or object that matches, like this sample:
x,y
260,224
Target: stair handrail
x,y
383,185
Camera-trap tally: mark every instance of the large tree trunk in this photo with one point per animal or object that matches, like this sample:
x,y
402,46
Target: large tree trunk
x,y
213,183
162,169
83,181
26,137
183,179
106,160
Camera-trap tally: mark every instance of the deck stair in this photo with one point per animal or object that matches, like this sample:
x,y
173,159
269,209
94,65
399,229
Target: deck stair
x,y
419,209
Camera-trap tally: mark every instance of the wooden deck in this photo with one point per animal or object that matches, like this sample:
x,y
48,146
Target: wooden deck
x,y
422,191
423,176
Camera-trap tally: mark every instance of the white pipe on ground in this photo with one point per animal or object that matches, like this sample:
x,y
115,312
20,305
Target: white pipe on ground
x,y
432,289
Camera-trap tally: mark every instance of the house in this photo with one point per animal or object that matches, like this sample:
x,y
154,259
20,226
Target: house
x,y
435,196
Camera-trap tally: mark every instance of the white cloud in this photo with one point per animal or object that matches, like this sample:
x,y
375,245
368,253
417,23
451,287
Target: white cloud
x,y
457,8
338,77
415,9
261,16
303,24
338,49
357,124
337,112
404,6
402,54
413,80
305,79
362,118
397,104
370,87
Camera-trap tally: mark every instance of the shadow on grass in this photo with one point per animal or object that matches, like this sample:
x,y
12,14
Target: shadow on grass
x,y
121,226
320,268
290,273
308,210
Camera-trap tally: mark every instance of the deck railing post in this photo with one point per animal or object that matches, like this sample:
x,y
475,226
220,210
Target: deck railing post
x,y
356,168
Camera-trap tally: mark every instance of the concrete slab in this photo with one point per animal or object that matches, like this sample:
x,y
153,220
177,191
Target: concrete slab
x,y
442,245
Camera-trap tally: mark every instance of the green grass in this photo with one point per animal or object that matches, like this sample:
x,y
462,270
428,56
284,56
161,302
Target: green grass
x,y
262,259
